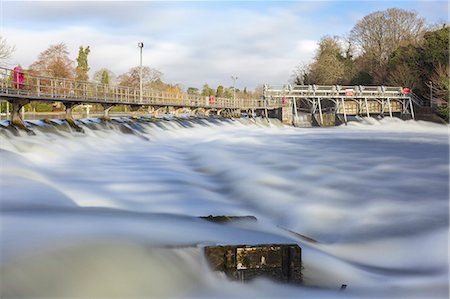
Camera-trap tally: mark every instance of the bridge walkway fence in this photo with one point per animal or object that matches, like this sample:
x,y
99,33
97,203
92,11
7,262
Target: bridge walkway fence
x,y
32,88
41,88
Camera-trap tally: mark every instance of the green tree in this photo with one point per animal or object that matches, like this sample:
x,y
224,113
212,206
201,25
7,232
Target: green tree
x,y
228,93
436,46
328,66
104,76
207,91
219,91
404,67
193,90
82,68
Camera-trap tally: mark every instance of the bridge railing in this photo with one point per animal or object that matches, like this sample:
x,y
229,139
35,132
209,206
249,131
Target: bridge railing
x,y
58,89
332,91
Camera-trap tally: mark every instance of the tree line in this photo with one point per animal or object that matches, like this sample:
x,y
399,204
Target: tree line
x,y
390,47
55,61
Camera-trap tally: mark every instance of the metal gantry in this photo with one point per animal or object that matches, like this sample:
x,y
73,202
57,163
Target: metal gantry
x,y
346,100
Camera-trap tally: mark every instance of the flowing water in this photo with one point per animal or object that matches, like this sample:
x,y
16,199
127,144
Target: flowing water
x,y
111,211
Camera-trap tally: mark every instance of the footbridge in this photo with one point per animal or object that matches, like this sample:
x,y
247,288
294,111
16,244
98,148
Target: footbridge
x,y
290,103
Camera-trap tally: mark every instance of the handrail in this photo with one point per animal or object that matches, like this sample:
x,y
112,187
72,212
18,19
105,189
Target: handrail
x,y
333,91
49,88
418,101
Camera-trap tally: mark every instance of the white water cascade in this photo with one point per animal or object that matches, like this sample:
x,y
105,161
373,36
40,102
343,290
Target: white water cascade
x,y
112,211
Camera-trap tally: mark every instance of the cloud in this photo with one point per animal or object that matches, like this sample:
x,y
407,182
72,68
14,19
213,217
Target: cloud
x,y
190,42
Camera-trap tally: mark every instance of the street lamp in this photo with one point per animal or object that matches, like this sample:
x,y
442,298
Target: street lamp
x,y
431,93
234,86
140,45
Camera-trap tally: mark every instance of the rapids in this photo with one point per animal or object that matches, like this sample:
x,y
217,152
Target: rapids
x,y
111,211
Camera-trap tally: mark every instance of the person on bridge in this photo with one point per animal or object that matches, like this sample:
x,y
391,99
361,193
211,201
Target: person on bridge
x,y
19,77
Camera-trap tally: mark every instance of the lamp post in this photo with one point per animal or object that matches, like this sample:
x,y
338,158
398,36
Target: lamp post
x,y
140,45
234,87
431,93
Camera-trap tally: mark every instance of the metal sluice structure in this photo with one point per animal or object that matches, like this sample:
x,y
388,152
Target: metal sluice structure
x,y
285,103
344,101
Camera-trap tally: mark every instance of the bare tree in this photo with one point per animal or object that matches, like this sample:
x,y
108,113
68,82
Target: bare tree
x,y
440,84
132,79
54,62
300,74
380,33
5,49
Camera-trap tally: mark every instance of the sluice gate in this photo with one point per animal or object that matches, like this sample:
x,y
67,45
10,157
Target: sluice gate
x,y
324,104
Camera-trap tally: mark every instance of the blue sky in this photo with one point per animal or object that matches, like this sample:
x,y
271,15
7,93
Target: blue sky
x,y
193,42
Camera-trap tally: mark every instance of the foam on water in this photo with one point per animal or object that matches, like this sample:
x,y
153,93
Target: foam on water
x,y
87,214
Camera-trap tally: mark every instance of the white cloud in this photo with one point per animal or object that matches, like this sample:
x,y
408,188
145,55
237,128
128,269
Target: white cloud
x,y
189,45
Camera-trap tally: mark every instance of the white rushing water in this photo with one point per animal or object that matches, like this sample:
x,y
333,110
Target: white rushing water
x,y
92,214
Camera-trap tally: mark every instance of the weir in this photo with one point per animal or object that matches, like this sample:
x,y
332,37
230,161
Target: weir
x,y
292,104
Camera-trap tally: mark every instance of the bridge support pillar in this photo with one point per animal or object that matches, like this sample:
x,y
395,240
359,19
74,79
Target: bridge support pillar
x,y
287,113
106,108
134,109
69,117
16,117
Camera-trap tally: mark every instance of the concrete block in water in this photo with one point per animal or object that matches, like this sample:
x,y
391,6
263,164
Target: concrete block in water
x,y
280,262
226,219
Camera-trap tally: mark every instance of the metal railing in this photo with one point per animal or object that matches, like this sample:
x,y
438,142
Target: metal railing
x,y
419,101
333,91
58,89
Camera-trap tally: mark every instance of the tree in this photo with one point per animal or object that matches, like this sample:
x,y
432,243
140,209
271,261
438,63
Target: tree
x,y
83,67
132,78
440,84
104,76
228,93
207,91
436,48
54,62
219,91
300,75
379,34
193,90
403,67
328,67
5,49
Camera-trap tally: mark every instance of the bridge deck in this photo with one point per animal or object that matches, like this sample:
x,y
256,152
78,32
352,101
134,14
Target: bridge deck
x,y
39,88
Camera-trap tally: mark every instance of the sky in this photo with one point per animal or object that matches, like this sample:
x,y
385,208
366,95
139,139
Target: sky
x,y
192,42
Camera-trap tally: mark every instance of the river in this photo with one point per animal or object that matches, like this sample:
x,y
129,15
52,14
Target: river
x,y
112,211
